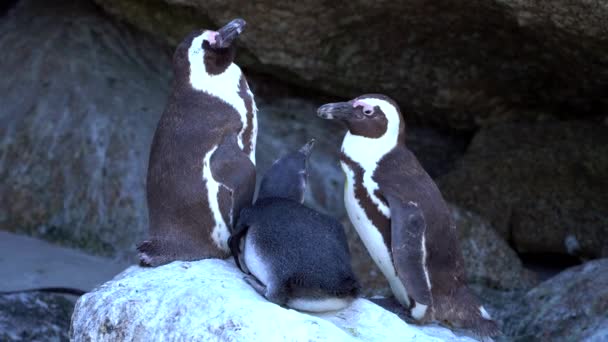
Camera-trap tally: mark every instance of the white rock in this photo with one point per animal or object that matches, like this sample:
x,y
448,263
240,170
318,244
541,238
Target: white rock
x,y
209,301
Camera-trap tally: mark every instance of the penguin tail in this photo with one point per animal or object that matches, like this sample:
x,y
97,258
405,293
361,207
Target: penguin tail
x,y
463,310
349,286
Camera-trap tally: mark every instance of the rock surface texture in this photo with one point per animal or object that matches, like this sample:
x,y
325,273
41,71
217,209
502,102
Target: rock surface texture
x,y
209,300
488,259
34,317
81,96
572,306
76,148
542,186
458,64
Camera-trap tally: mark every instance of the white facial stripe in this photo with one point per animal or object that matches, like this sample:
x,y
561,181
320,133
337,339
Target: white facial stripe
x,y
220,232
372,239
210,36
368,151
224,86
367,108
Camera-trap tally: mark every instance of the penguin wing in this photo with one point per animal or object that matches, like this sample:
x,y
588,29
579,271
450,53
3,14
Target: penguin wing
x,y
408,248
236,173
234,241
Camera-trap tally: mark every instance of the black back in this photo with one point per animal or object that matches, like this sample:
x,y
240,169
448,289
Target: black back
x,y
287,177
308,249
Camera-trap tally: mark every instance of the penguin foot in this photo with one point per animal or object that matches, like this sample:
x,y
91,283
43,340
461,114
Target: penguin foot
x,y
485,328
257,286
463,310
151,254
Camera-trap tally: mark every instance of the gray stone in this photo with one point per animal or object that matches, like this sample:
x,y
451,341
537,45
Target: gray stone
x,y
81,96
542,186
489,260
209,300
571,306
34,317
458,64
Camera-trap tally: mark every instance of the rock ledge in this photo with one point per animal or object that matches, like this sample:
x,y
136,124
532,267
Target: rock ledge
x,y
208,300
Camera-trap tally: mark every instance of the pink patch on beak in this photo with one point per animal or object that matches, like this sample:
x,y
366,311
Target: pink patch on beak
x,y
212,37
360,103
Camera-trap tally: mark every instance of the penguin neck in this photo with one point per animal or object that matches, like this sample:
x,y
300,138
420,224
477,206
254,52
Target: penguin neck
x,y
367,152
225,86
285,179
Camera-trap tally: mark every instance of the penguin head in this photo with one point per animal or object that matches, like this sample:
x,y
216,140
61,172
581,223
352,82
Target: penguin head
x,y
208,51
287,177
371,116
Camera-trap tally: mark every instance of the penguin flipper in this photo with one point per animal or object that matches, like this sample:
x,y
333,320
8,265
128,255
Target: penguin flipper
x,y
408,248
233,169
234,241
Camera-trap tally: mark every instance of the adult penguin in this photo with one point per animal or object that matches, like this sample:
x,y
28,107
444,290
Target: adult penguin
x,y
401,216
201,171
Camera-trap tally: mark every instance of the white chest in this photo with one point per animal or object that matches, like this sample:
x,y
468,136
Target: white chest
x,y
255,262
371,237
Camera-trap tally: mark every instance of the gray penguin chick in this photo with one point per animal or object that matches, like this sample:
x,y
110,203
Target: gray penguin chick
x,y
295,256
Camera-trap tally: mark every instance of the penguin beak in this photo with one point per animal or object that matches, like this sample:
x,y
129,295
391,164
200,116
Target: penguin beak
x,y
338,111
306,149
228,33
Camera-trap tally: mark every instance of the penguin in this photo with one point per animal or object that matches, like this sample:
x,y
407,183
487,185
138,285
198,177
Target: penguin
x,y
201,170
401,216
296,257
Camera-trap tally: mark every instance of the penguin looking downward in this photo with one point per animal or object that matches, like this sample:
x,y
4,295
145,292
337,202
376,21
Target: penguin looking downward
x,y
297,257
201,170
401,216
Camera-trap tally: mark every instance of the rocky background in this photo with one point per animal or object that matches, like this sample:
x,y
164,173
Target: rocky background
x,y
506,103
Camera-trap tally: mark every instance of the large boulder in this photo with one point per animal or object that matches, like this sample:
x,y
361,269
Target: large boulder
x,y
571,306
209,300
75,150
81,96
542,186
34,317
458,64
488,259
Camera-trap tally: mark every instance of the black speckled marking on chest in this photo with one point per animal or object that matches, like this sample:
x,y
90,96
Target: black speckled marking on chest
x,y
248,99
372,211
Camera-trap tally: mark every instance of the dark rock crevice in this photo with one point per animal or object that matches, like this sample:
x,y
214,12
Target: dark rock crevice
x,y
6,6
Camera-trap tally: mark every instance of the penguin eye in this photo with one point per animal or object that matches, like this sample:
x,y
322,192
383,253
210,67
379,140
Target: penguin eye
x,y
368,111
